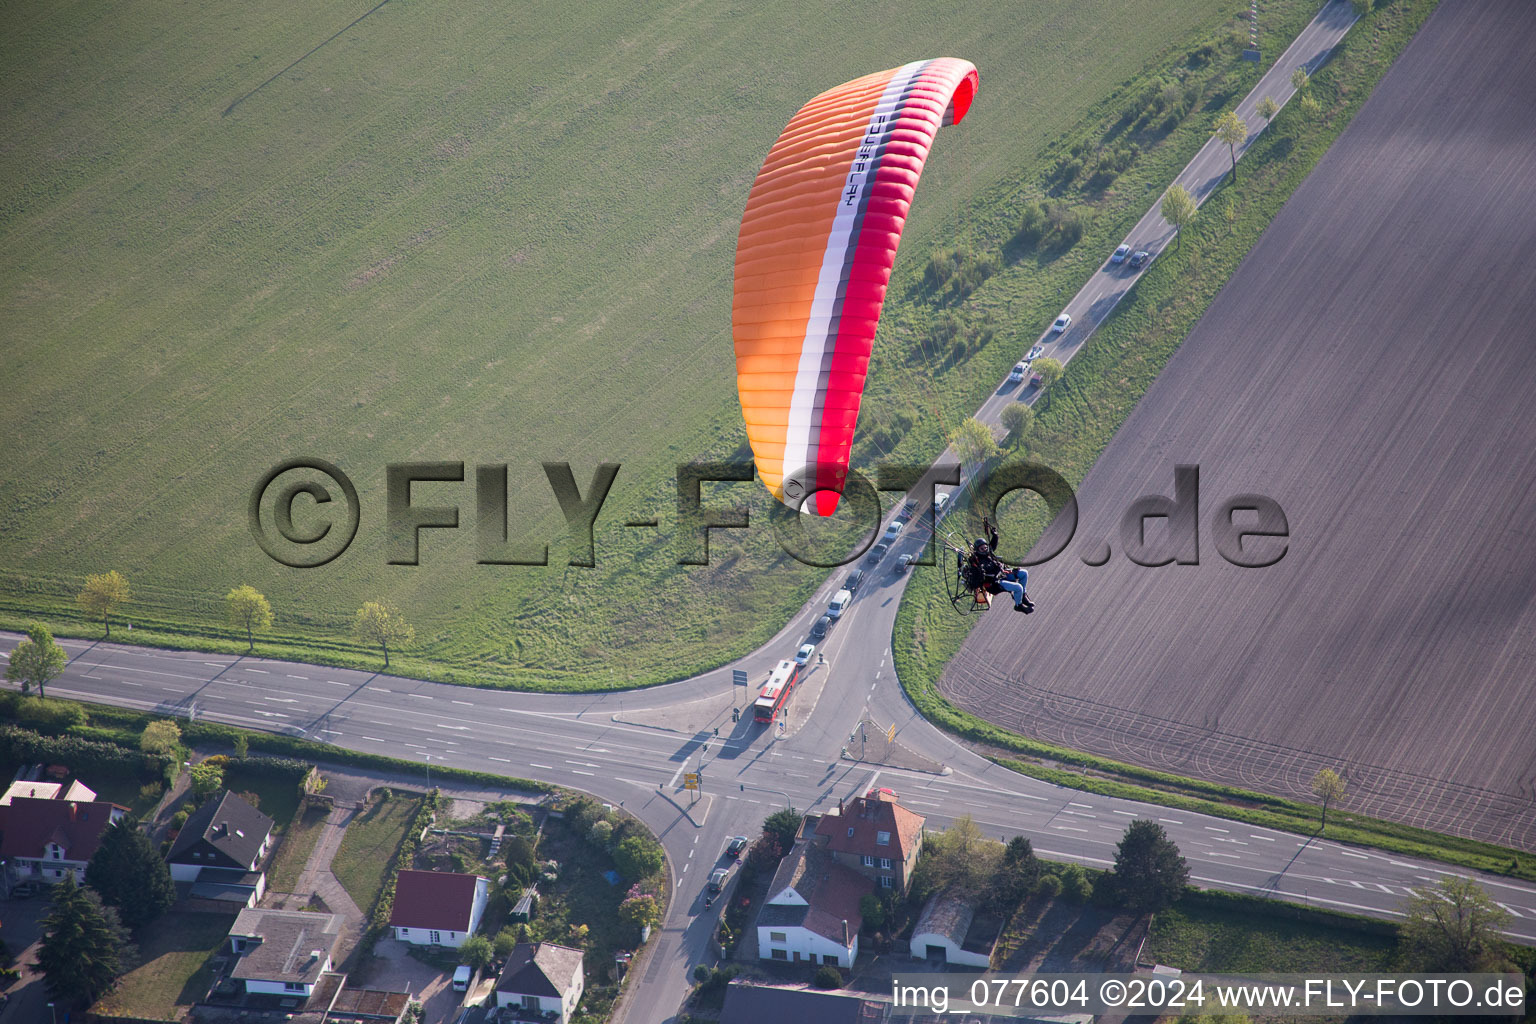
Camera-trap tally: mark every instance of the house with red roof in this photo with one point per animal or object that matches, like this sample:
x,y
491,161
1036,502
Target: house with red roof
x,y
812,911
46,838
875,836
438,908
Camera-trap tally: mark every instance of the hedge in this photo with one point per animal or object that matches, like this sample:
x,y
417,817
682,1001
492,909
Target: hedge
x,y
81,755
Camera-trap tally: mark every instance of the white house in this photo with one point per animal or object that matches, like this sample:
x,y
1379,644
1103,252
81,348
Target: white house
x,y
812,912
283,952
220,849
941,934
438,908
540,978
47,838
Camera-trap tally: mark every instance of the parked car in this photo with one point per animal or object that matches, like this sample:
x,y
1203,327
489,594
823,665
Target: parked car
x,y
820,626
736,846
1019,370
1141,259
461,978
717,879
1120,254
1062,323
803,655
26,890
855,578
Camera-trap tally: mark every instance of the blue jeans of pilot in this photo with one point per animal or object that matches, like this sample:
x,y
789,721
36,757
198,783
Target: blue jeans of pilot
x,y
1015,584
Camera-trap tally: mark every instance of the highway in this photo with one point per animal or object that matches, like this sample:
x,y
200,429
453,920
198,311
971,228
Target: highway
x,y
632,748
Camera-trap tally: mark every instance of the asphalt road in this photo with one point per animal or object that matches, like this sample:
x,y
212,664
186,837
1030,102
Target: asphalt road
x,y
1368,367
596,742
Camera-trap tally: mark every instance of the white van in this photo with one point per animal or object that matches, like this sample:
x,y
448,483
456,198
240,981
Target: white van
x,y
839,603
461,978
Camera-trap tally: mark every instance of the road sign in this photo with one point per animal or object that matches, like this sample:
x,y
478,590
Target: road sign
x,y
691,780
739,677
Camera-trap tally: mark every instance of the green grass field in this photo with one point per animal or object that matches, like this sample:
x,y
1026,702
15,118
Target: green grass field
x,y
170,972
368,844
229,236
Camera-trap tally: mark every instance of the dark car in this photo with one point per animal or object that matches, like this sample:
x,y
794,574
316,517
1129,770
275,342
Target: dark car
x,y
737,844
717,880
26,890
821,626
851,584
905,513
1140,259
878,551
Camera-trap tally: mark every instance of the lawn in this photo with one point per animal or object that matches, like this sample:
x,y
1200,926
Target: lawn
x,y
1237,941
170,972
277,798
298,841
368,845
472,233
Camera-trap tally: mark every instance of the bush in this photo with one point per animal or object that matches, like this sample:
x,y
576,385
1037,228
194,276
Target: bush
x,y
638,858
1048,887
162,737
179,819
828,977
601,834
1074,883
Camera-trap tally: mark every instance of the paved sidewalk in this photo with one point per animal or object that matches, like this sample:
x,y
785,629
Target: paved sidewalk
x,y
317,880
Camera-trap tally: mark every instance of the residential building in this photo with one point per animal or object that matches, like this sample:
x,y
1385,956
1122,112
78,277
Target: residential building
x,y
220,850
438,908
283,952
46,838
812,911
540,978
875,836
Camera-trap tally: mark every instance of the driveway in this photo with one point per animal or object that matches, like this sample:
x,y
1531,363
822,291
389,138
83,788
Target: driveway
x,y
392,967
19,924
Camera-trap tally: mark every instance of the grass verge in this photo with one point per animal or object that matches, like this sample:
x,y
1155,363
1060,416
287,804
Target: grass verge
x,y
293,852
1079,415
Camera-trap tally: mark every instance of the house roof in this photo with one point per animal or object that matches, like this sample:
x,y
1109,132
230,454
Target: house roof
x,y
947,916
540,969
288,941
746,1003
444,900
229,824
867,817
830,890
76,825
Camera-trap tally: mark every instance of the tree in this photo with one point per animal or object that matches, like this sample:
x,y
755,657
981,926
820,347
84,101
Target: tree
x,y
382,625
1267,109
104,593
127,871
872,910
827,977
1050,371
84,945
1016,874
643,911
637,858
1229,211
1454,926
783,826
505,942
1329,788
973,441
1300,78
1019,419
1149,873
1178,209
960,860
160,737
206,779
247,609
1310,107
477,952
1231,130
36,660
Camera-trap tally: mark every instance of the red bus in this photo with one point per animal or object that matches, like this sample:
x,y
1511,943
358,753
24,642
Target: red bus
x,y
775,693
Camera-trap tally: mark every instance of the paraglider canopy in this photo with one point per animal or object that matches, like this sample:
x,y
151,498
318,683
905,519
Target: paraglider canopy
x,y
817,244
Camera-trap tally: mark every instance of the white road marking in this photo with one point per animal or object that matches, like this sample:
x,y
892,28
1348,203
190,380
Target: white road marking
x,y
546,767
